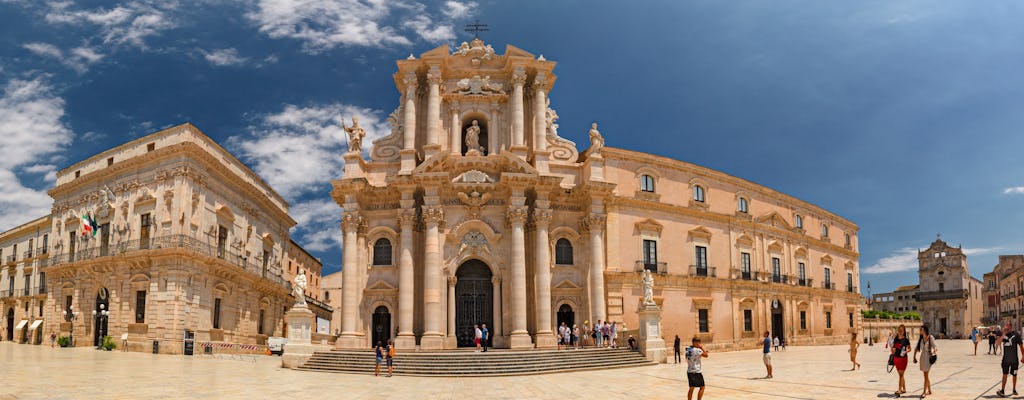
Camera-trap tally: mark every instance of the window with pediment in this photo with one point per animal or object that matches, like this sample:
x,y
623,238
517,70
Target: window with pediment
x,y
647,183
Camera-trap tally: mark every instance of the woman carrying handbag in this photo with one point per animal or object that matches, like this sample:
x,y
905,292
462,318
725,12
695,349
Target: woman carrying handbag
x,y
929,354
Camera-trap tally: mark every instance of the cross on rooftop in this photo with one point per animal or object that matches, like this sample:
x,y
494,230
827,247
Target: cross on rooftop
x,y
476,28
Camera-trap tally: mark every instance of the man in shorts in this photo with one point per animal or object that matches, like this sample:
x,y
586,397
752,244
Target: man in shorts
x,y
767,350
1011,343
477,335
694,374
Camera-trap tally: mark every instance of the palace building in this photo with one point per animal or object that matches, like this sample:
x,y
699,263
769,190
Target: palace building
x,y
474,210
188,240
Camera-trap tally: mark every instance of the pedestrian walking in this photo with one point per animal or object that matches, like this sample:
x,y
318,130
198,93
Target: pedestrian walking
x,y
598,337
606,330
575,336
677,357
53,338
767,350
775,342
854,344
485,336
974,339
614,330
1011,343
694,372
783,343
929,352
566,336
992,341
900,347
477,336
378,352
391,356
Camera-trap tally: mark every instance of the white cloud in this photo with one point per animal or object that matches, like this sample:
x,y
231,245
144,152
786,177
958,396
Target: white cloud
x,y
32,132
322,25
129,23
78,59
224,57
298,150
456,10
1014,190
905,259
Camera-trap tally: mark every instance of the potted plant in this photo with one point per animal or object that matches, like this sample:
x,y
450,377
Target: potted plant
x,y
108,343
63,341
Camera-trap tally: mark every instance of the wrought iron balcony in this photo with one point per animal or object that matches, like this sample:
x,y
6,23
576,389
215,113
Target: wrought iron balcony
x,y
656,267
780,278
177,242
702,271
27,254
745,275
944,295
851,288
805,282
829,285
5,293
42,250
11,258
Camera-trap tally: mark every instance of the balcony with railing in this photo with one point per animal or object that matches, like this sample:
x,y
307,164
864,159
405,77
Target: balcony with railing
x,y
42,251
11,259
780,278
1008,314
851,288
657,267
805,282
944,295
176,242
702,271
829,285
744,275
5,294
27,254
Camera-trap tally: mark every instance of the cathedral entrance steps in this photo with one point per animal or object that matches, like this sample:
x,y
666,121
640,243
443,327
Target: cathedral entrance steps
x,y
470,363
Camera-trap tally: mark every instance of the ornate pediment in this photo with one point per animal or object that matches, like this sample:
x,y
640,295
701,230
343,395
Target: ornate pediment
x,y
380,286
567,284
700,232
774,219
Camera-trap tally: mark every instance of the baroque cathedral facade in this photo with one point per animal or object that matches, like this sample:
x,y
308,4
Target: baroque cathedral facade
x,y
475,211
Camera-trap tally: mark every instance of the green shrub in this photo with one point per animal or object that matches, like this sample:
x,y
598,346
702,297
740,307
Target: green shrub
x,y
63,341
108,343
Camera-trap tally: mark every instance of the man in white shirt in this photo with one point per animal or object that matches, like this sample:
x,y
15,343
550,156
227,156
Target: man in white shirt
x,y
694,373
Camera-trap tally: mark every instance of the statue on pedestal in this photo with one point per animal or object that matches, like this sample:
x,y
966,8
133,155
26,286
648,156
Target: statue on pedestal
x,y
596,140
648,283
355,135
473,139
299,288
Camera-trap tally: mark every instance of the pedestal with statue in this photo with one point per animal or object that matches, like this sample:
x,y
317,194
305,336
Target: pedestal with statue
x,y
300,324
651,343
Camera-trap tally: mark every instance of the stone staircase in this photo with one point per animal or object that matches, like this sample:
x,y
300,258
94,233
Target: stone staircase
x,y
457,363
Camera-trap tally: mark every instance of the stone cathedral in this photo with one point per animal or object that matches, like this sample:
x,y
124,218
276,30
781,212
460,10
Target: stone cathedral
x,y
475,211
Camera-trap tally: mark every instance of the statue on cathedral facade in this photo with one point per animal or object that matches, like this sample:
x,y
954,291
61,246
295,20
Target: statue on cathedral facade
x,y
596,140
355,135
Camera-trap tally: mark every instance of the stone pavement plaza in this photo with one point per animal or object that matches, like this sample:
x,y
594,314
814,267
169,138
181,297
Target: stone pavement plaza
x,y
818,372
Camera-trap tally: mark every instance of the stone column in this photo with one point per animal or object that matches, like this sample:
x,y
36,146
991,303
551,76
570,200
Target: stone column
x,y
406,282
498,314
432,337
408,152
350,222
433,110
452,280
542,278
516,219
518,79
456,143
540,108
595,225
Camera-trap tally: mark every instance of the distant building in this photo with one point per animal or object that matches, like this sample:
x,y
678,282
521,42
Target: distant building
x,y
1004,291
903,299
948,298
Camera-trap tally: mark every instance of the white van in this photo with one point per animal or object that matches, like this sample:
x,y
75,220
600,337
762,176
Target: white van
x,y
276,344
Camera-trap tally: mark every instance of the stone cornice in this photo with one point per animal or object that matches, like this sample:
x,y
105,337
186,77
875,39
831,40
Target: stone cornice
x,y
611,153
732,220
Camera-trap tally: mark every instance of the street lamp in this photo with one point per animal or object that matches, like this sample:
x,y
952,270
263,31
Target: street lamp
x,y
70,315
870,299
100,316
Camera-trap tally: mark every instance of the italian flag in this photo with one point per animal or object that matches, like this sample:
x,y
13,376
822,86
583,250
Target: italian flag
x,y
86,225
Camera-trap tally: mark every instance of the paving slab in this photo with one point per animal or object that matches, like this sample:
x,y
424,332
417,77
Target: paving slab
x,y
811,372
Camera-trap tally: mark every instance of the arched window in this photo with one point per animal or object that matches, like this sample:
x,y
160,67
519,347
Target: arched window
x,y
698,193
382,252
743,206
647,183
824,230
563,252
799,221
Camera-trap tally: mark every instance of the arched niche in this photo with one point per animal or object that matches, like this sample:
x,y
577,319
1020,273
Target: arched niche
x,y
482,139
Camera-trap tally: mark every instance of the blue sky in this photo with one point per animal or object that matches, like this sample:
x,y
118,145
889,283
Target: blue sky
x,y
904,117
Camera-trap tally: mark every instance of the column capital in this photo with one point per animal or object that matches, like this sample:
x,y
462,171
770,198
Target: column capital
x,y
516,215
496,280
452,280
410,80
593,222
519,76
540,82
541,217
433,215
351,220
407,218
434,78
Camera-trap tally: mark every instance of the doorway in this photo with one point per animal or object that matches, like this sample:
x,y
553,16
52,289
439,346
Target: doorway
x,y
473,300
778,329
942,326
381,326
10,324
565,315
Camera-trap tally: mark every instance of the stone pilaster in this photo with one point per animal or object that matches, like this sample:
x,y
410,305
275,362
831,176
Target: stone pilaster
x,y
456,134
408,152
433,216
498,337
406,282
350,337
452,280
517,219
518,80
594,224
540,83
542,278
